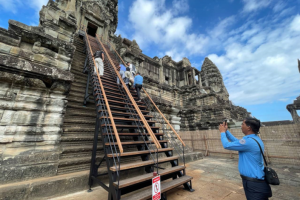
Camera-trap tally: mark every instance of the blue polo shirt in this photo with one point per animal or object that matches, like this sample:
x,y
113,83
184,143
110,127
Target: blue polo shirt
x,y
122,68
138,79
251,162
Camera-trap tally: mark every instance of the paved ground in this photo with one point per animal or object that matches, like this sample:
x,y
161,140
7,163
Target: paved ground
x,y
216,178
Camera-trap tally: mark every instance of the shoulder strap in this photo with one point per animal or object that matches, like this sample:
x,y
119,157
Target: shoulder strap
x,y
261,151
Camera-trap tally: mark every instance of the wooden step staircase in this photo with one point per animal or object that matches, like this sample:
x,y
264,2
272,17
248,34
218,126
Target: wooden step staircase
x,y
127,130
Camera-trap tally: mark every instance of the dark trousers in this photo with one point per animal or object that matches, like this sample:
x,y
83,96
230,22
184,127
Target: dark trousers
x,y
257,190
128,86
138,88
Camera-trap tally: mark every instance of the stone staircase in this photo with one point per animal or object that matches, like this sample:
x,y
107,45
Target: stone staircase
x,y
135,186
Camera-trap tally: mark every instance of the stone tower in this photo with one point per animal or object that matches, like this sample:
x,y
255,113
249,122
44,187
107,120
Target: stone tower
x,y
211,77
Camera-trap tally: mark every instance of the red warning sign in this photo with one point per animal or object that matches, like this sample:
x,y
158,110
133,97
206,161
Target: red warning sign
x,y
156,188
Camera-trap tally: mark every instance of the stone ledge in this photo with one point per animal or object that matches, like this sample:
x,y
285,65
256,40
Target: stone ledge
x,y
43,188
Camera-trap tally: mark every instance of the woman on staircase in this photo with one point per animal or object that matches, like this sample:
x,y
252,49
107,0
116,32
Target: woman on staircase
x,y
126,79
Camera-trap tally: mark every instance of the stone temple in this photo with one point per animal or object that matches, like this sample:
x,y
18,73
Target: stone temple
x,y
47,133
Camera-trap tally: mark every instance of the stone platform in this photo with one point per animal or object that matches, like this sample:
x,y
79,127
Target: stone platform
x,y
50,187
215,179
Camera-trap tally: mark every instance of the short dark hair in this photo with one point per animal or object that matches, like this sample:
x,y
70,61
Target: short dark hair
x,y
138,73
253,123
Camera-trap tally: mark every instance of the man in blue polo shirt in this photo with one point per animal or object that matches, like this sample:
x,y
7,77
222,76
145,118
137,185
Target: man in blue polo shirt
x,y
251,164
138,84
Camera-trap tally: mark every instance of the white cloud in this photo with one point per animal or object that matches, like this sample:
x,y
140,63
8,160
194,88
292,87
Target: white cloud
x,y
10,5
180,6
15,5
152,23
222,26
284,100
37,4
258,58
280,5
263,67
254,5
295,25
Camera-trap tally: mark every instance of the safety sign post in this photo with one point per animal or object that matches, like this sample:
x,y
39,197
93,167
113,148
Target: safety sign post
x,y
156,188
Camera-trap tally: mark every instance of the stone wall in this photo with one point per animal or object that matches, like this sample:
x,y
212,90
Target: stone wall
x,y
35,78
282,143
31,117
202,103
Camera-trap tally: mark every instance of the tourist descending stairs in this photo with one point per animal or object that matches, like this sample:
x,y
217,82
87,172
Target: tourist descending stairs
x,y
120,117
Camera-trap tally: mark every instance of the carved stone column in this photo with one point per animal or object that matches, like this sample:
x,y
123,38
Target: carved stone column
x,y
199,79
193,78
161,72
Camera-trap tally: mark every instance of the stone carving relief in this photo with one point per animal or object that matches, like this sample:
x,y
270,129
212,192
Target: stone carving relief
x,y
156,58
122,51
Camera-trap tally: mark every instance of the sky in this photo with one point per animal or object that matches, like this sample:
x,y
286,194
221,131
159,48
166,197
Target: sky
x,y
254,43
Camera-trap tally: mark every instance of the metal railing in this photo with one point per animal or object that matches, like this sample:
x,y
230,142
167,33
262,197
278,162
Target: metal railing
x,y
103,110
131,109
132,99
160,118
163,120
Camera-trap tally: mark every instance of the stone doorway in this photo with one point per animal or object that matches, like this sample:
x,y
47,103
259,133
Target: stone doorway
x,y
91,29
190,79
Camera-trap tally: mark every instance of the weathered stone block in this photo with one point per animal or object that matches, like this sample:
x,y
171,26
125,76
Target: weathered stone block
x,y
15,173
63,65
33,130
7,117
50,60
4,48
15,51
38,57
51,33
64,38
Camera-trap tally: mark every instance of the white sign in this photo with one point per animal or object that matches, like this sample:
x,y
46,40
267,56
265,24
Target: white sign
x,y
156,188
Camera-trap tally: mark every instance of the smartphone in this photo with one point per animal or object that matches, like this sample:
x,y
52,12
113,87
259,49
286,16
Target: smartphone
x,y
225,122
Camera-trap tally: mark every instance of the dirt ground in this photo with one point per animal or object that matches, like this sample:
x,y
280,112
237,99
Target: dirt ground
x,y
215,178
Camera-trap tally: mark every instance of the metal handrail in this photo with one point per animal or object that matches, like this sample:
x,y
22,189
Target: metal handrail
x,y
163,117
111,141
133,114
164,129
106,102
132,100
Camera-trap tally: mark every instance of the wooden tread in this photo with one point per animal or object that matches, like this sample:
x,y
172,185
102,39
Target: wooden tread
x,y
145,177
129,114
115,93
138,142
122,107
143,163
133,153
118,97
165,186
110,101
126,119
134,134
129,126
